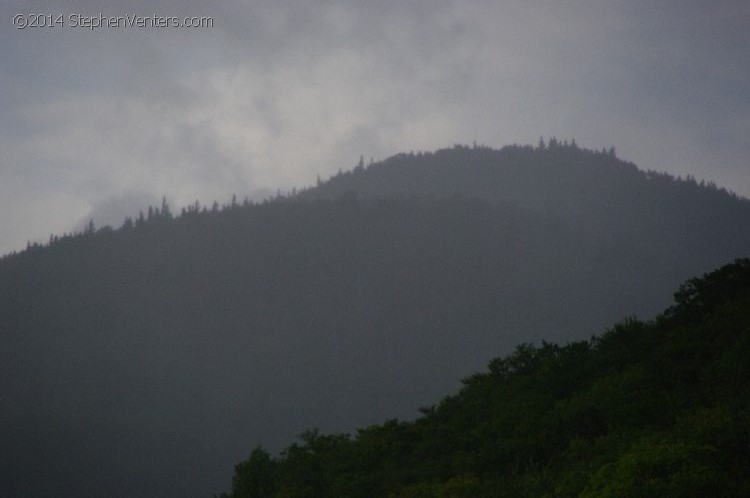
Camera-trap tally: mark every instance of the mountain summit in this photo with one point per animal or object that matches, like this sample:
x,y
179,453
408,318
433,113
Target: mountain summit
x,y
145,360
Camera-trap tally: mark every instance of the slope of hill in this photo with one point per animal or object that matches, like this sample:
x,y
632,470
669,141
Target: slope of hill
x,y
646,409
143,361
594,193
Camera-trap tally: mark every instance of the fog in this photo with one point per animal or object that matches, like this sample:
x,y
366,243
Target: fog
x,y
99,123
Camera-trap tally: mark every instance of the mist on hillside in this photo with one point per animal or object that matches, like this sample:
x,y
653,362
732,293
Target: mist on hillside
x,y
180,340
228,224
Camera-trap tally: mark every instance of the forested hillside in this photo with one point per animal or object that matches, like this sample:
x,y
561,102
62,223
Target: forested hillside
x,y
145,360
656,408
627,212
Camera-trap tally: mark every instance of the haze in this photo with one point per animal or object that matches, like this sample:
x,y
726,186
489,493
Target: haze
x,y
101,123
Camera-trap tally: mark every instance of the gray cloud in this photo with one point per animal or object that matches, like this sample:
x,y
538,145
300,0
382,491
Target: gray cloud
x,y
279,92
113,210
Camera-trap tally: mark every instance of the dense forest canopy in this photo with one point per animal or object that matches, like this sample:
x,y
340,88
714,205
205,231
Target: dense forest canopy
x,y
170,345
645,409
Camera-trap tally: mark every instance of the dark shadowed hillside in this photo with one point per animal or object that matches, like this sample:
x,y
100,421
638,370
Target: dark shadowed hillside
x,y
596,194
646,409
144,361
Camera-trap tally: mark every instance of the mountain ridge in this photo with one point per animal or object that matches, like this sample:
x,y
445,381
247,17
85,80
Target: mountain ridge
x,y
176,342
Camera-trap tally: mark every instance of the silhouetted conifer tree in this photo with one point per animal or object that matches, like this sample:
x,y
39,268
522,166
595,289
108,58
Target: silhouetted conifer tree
x,y
165,212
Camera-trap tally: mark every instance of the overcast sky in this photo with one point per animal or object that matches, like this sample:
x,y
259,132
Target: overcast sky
x,y
103,122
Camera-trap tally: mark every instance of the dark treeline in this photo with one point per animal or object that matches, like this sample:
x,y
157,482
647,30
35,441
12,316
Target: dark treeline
x,y
145,360
647,409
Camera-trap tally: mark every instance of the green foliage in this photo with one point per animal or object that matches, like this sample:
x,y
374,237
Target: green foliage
x,y
647,409
660,468
256,476
455,487
699,296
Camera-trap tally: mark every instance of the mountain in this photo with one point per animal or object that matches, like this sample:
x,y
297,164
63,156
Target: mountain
x,y
144,360
594,193
645,409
